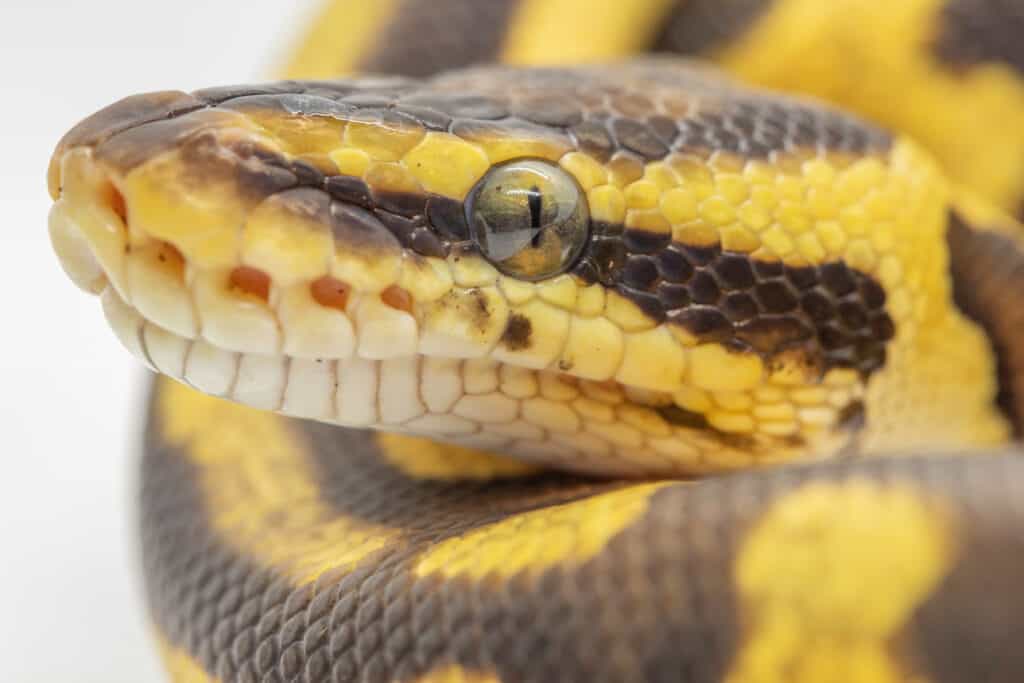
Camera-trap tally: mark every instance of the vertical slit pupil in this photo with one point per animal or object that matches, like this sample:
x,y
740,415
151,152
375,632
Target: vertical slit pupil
x,y
533,201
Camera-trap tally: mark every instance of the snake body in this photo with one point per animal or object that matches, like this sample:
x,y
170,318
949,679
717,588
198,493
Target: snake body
x,y
558,296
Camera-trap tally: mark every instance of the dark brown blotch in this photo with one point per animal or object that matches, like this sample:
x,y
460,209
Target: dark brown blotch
x,y
646,301
739,306
592,137
771,335
768,269
883,328
403,203
703,288
704,322
673,266
645,241
837,277
818,306
673,296
853,315
640,272
852,417
516,336
762,306
975,32
735,271
424,38
306,174
350,190
700,256
833,337
805,278
637,137
257,173
987,270
681,417
775,296
448,217
401,227
425,242
607,257
872,293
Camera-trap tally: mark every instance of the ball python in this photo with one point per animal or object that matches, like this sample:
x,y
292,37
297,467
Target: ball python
x,y
548,361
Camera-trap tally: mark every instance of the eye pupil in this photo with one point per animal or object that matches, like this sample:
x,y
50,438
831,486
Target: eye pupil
x,y
534,201
529,218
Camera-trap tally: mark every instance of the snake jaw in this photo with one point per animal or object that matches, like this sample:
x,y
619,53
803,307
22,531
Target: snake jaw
x,y
87,222
315,264
214,271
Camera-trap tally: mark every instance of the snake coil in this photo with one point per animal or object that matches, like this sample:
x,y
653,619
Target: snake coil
x,y
580,372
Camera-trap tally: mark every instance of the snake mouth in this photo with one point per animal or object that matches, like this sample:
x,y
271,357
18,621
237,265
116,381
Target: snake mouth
x,y
446,365
221,264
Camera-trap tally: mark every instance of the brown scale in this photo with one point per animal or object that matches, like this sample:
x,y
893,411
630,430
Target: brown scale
x,y
987,270
696,27
973,32
834,312
427,37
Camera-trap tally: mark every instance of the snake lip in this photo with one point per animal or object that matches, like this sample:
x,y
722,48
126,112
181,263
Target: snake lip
x,y
88,215
75,253
382,369
227,258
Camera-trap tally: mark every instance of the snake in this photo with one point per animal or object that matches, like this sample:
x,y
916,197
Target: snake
x,y
523,340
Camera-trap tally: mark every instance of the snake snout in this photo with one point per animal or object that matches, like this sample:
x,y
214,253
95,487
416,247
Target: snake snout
x,y
87,223
331,252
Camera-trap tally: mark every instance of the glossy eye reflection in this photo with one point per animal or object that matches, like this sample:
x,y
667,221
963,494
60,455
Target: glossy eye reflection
x,y
529,219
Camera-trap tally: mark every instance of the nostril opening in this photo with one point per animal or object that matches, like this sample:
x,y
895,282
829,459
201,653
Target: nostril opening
x,y
251,281
397,298
115,200
330,292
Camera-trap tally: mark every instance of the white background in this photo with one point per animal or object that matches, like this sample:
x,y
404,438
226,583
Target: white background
x,y
70,397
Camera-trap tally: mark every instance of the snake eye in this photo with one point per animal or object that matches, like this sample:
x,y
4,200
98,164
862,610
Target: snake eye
x,y
529,219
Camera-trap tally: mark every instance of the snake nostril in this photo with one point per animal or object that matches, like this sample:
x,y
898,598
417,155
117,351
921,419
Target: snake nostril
x,y
251,281
330,292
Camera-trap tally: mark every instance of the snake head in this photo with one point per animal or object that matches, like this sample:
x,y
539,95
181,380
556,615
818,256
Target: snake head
x,y
638,268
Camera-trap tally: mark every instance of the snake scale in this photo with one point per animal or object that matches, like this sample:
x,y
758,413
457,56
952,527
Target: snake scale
x,y
551,361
